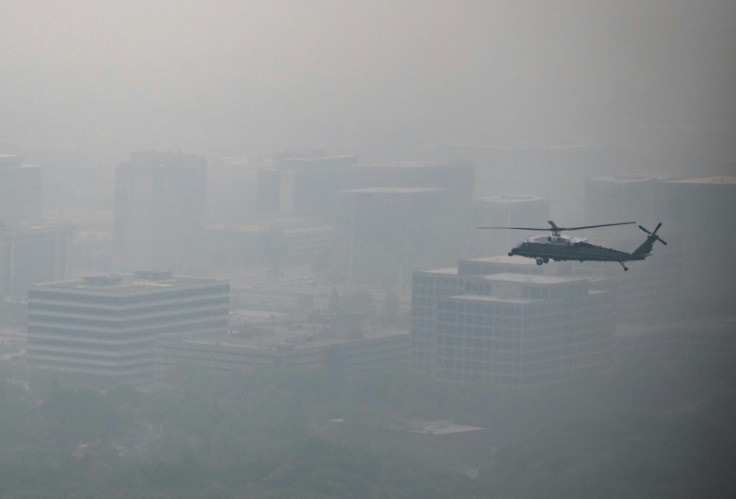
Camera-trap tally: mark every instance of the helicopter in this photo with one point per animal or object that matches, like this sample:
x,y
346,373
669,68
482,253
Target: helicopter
x,y
559,247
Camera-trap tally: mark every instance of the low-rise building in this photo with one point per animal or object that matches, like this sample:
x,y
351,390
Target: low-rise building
x,y
341,344
102,330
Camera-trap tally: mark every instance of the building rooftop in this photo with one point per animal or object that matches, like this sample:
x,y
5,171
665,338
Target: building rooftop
x,y
393,190
726,179
504,259
283,224
534,278
510,198
495,299
35,226
127,283
445,271
631,179
431,427
413,164
285,336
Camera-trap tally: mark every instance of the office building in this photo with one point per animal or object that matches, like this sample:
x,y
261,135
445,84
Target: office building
x,y
529,330
382,234
231,190
703,338
344,346
556,171
32,254
303,185
273,243
501,264
102,330
20,190
457,177
698,212
651,291
427,288
159,214
521,210
624,198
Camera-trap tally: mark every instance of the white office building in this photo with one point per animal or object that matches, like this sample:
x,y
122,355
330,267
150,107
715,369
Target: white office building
x,y
528,330
102,330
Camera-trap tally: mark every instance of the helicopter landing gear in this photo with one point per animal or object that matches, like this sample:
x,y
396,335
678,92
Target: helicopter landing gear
x,y
624,266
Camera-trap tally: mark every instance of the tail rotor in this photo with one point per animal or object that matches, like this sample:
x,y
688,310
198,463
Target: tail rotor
x,y
646,247
653,235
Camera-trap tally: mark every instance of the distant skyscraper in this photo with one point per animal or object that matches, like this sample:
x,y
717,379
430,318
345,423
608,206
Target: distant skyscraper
x,y
520,210
381,234
160,211
556,171
20,190
32,254
457,177
622,199
303,185
699,213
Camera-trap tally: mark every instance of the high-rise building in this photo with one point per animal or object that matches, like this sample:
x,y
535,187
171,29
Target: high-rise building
x,y
160,211
528,330
621,199
32,254
698,212
20,190
231,190
303,185
277,242
102,330
382,234
556,171
457,177
651,291
521,210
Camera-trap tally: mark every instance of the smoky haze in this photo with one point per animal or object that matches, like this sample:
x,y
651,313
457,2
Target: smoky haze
x,y
263,213
231,75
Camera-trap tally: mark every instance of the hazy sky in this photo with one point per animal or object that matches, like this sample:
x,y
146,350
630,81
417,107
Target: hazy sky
x,y
229,75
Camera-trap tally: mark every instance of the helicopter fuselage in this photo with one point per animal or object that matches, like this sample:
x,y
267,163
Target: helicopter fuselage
x,y
561,248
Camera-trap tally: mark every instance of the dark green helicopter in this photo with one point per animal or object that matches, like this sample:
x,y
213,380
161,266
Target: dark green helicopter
x,y
560,248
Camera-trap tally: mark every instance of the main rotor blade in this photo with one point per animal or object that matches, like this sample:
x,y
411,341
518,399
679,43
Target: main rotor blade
x,y
555,228
517,228
593,226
